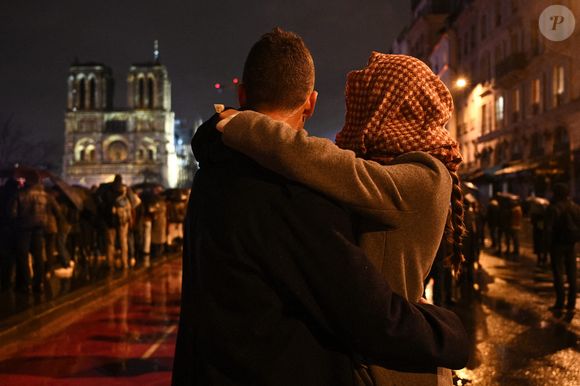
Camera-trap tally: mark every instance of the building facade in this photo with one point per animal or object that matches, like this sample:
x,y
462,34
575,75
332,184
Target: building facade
x,y
100,141
517,112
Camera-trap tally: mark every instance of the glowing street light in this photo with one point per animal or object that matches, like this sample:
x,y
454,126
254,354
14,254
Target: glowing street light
x,y
461,82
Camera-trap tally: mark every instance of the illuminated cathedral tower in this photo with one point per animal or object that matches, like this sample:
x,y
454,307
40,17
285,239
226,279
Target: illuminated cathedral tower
x,y
100,141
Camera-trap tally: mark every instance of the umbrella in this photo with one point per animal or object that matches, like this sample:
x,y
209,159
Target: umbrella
x,y
470,186
88,200
508,196
538,201
29,173
70,193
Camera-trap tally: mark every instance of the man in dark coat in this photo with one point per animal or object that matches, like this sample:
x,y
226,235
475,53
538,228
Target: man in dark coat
x,y
275,291
562,227
32,210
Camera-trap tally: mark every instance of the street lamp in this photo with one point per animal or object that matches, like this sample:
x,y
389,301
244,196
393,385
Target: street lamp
x,y
461,82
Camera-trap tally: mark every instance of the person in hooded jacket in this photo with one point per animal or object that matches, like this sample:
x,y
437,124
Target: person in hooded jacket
x,y
394,164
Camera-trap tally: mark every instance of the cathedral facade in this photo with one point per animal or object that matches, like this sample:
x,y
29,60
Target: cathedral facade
x,y
101,141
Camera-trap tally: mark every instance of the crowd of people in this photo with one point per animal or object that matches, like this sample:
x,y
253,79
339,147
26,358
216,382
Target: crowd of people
x,y
44,231
555,229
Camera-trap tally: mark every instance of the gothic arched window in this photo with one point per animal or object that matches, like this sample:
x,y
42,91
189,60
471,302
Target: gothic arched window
x,y
82,93
141,93
150,93
92,93
85,150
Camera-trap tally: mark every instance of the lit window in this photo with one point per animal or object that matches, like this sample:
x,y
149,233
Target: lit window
x,y
499,112
536,96
557,85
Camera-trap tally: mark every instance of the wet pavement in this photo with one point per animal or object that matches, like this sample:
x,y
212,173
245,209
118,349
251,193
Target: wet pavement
x,y
515,339
85,275
125,338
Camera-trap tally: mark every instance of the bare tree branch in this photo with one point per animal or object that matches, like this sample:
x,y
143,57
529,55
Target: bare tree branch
x,y
17,148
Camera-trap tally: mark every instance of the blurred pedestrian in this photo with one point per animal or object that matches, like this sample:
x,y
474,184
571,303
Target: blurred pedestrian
x,y
470,241
158,211
8,195
538,211
176,209
563,232
33,209
117,214
513,228
69,217
493,222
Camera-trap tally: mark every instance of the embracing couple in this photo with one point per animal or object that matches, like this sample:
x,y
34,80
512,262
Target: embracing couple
x,y
304,260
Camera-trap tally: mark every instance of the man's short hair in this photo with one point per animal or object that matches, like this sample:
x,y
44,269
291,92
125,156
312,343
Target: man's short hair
x,y
279,72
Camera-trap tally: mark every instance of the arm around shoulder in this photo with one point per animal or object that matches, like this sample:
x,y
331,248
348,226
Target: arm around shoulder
x,y
369,188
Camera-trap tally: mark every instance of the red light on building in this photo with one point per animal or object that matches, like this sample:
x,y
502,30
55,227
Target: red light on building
x,y
236,81
218,86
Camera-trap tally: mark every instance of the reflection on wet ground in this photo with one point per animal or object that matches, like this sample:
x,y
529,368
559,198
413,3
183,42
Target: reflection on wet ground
x,y
87,273
127,338
515,339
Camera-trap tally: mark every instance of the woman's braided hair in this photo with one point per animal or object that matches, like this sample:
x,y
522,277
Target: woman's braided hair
x,y
455,226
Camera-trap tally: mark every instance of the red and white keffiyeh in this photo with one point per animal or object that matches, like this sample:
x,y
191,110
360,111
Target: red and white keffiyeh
x,y
396,105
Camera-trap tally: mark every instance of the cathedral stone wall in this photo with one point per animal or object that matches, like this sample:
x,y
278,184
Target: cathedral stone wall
x,y
101,141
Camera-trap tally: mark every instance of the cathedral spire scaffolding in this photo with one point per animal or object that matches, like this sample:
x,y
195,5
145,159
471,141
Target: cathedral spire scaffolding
x,y
156,56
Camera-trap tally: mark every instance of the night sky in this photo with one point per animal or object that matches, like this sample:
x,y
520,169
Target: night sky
x,y
201,43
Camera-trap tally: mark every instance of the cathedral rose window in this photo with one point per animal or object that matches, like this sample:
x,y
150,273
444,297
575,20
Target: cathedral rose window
x,y
117,151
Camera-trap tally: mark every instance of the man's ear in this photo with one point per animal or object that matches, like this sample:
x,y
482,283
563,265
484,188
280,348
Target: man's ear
x,y
310,104
242,98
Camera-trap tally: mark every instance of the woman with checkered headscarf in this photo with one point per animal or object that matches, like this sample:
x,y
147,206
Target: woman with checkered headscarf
x,y
394,165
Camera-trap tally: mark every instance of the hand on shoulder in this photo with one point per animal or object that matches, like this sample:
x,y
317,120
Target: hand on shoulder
x,y
225,117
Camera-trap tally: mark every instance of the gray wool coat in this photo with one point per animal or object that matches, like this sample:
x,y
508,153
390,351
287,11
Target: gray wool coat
x,y
403,206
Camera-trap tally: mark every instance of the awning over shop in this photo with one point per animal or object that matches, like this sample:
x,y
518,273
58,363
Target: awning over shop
x,y
480,175
517,168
